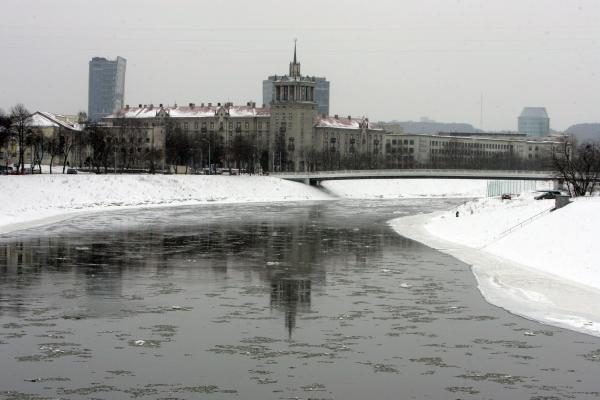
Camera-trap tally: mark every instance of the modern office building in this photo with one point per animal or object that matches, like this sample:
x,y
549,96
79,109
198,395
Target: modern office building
x,y
321,89
534,121
106,90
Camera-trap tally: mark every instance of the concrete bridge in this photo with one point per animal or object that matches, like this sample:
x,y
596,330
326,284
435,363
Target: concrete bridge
x,y
315,178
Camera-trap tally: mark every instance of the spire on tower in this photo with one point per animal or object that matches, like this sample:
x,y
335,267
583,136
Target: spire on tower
x,y
295,40
295,65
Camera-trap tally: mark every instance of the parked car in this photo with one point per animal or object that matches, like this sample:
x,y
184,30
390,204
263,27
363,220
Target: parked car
x,y
71,171
548,195
506,196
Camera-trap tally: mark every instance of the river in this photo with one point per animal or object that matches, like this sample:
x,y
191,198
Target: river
x,y
265,301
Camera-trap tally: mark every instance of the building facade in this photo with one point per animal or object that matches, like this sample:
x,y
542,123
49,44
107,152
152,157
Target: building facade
x,y
291,134
140,134
106,90
480,151
534,121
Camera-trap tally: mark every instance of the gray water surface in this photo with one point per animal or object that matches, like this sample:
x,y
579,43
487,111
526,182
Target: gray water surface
x,y
278,301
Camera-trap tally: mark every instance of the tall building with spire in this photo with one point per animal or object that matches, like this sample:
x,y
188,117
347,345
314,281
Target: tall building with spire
x,y
293,112
321,91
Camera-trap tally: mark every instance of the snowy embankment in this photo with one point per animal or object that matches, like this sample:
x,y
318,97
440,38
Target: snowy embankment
x,y
545,268
38,199
406,188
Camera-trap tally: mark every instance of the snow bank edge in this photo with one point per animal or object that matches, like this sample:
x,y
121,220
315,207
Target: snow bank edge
x,y
515,288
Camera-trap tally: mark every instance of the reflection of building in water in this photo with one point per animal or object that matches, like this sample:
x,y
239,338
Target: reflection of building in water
x,y
291,296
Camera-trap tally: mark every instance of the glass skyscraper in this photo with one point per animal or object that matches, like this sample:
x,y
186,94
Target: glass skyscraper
x,y
534,121
106,90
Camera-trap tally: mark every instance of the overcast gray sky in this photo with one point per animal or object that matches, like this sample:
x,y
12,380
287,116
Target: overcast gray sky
x,y
386,59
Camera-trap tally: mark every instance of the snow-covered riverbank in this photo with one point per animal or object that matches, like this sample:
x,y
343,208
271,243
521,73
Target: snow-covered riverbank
x,y
407,188
39,199
546,269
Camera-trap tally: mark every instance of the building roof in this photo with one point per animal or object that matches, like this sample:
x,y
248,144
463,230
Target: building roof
x,y
43,119
534,112
191,111
344,123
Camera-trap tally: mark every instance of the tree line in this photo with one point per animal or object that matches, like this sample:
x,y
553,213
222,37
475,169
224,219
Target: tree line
x,y
16,126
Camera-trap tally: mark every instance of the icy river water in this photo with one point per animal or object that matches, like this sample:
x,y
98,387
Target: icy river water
x,y
279,301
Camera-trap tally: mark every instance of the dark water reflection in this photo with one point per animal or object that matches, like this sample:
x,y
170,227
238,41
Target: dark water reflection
x,y
319,301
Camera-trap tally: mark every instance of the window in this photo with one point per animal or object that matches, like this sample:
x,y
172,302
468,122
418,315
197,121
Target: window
x,y
195,125
247,125
212,126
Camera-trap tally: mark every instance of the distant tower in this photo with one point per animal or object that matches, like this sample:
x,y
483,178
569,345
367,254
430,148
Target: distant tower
x,y
534,121
321,92
295,65
293,111
106,90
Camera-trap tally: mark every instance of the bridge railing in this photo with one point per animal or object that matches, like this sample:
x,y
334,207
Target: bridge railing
x,y
466,172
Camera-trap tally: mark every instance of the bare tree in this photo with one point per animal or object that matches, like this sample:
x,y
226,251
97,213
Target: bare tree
x,y
4,128
54,149
67,141
101,145
20,121
578,166
35,139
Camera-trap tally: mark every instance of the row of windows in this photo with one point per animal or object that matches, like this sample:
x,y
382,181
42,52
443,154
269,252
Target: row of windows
x,y
400,141
497,146
131,140
409,150
197,125
461,152
283,116
238,125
